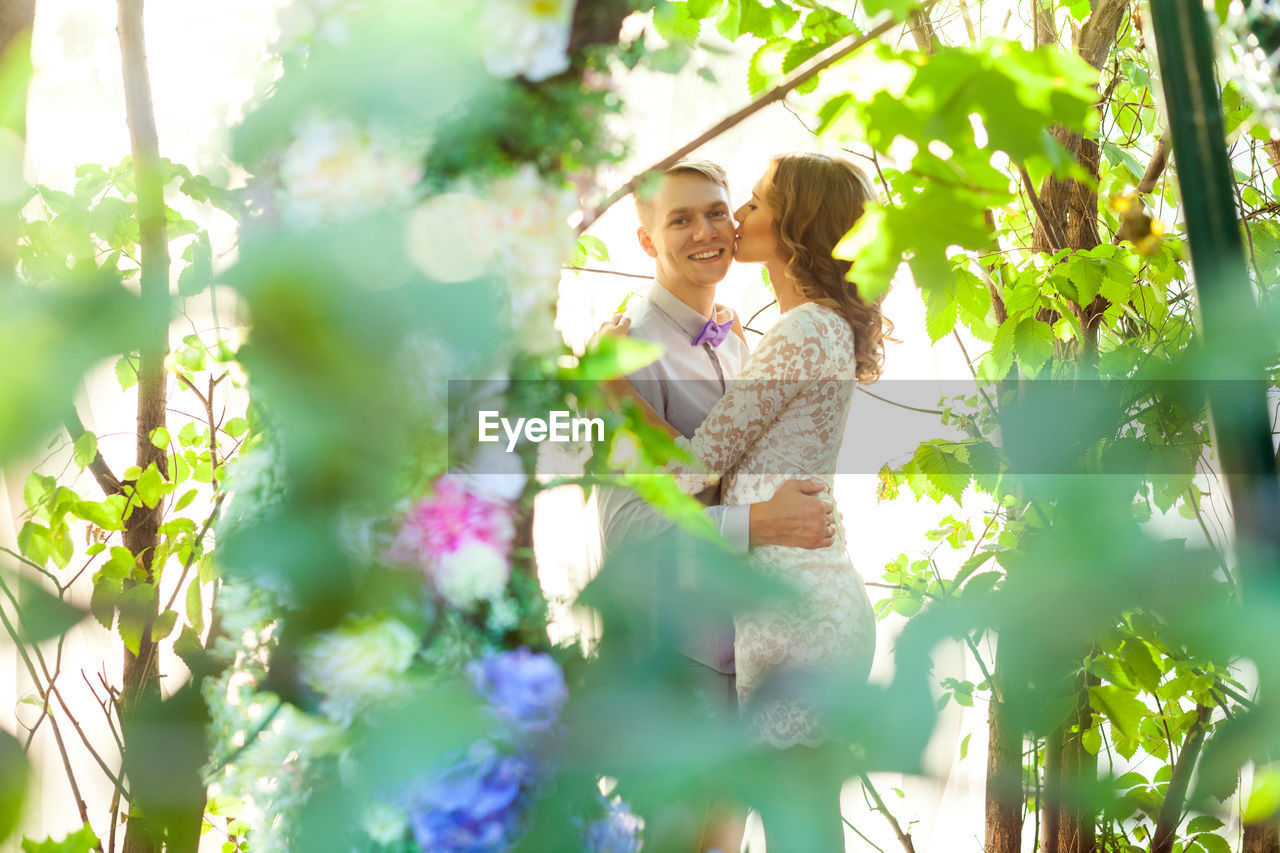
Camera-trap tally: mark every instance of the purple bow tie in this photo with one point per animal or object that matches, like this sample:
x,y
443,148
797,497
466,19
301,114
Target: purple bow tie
x,y
712,332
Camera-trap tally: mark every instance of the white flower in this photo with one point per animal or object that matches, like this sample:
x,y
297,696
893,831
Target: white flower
x,y
495,473
529,37
453,237
335,170
383,823
472,573
503,616
358,664
516,229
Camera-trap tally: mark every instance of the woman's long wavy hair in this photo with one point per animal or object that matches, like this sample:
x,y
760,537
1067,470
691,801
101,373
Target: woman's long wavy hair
x,y
815,200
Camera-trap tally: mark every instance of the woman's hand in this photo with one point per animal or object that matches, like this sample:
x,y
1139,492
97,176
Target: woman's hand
x,y
724,313
616,326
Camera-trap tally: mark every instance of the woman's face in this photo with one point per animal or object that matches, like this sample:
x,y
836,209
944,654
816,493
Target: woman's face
x,y
756,241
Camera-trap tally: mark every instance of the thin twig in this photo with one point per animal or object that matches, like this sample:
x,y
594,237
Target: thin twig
x,y
903,837
860,835
31,564
608,272
191,555
44,696
843,48
106,710
938,412
1051,227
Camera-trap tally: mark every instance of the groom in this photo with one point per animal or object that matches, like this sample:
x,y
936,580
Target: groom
x,y
687,228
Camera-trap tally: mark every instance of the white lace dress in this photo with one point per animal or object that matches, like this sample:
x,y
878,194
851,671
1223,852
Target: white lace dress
x,y
783,417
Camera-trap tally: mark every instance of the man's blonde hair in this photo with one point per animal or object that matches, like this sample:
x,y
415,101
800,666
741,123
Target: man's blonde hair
x,y
713,172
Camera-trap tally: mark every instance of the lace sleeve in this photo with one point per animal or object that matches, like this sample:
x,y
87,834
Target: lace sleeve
x,y
788,357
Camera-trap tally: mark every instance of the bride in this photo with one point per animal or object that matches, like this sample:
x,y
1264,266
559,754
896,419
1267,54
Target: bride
x,y
783,418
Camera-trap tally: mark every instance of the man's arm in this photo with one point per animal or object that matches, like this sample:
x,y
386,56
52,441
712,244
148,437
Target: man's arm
x,y
795,516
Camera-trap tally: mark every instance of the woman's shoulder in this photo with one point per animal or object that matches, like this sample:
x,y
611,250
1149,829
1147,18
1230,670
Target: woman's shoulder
x,y
813,319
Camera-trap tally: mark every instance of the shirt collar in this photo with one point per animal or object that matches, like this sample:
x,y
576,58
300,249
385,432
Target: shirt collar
x,y
689,320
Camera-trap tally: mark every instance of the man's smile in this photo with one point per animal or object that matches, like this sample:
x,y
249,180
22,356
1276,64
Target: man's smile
x,y
708,255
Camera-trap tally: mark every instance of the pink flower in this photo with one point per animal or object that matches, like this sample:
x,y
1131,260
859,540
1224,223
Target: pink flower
x,y
445,534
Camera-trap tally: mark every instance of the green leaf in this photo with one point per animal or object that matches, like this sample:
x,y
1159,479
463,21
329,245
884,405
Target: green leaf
x,y
15,776
941,312
126,372
799,53
946,473
86,448
102,604
33,542
612,357
195,606
42,615
163,626
37,489
1116,285
672,21
1264,799
704,8
120,565
1120,706
198,273
151,486
1213,843
1086,274
964,746
137,607
160,438
81,841
1137,656
1033,344
236,427
185,500
107,514
1091,739
61,546
1203,823
765,68
188,436
832,110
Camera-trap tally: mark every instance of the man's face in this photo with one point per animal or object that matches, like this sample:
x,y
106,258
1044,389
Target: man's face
x,y
690,234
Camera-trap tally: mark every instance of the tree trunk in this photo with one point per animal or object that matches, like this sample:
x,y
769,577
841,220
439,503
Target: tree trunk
x,y
1077,829
1261,838
1004,773
141,672
16,18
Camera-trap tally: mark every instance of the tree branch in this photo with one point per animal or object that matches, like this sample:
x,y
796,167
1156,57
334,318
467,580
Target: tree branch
x,y
107,481
903,837
1156,167
842,49
1099,32
1176,796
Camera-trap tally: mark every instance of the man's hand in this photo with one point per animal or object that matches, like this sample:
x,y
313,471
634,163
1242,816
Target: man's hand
x,y
795,516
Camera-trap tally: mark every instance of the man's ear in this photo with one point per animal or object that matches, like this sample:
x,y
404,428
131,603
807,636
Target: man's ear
x,y
646,242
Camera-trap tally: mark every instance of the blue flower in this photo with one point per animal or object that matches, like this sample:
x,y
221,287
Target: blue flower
x,y
474,806
524,688
617,832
